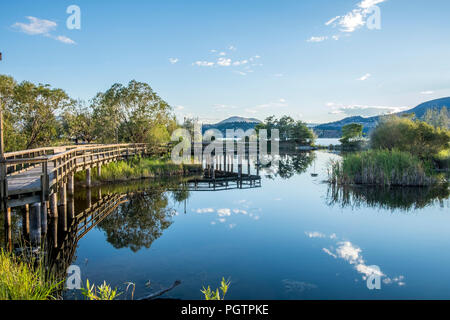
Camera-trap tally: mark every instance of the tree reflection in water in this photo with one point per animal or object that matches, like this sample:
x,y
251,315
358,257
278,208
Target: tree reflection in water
x,y
291,165
143,219
401,198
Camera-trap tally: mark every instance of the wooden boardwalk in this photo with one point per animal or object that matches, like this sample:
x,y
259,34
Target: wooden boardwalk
x,y
34,175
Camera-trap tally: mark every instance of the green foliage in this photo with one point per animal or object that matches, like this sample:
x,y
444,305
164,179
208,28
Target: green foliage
x,y
352,135
134,113
140,168
438,119
25,279
30,113
215,295
382,167
78,123
38,115
102,292
289,129
416,137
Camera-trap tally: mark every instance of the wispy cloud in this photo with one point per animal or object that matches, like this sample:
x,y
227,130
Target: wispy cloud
x,y
204,63
271,105
36,26
363,110
427,92
173,60
365,77
65,39
317,39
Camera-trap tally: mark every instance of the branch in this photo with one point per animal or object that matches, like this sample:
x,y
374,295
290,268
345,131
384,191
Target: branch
x,y
160,293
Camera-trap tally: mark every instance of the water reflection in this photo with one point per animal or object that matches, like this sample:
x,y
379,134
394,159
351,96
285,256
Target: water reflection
x,y
393,198
140,221
290,165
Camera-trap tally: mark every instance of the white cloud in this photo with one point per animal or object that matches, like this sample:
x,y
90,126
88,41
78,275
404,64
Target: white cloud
x,y
271,105
205,210
232,48
239,63
204,63
173,60
65,39
332,20
222,54
224,212
317,39
351,253
36,26
427,92
315,234
224,62
366,4
354,19
365,77
363,110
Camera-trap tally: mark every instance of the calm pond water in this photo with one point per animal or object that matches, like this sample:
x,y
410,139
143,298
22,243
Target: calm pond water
x,y
293,238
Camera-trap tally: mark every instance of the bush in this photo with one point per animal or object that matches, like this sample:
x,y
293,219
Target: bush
x,y
416,137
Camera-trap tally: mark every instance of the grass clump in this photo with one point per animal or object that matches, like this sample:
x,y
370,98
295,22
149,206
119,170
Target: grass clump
x,y
141,168
382,167
25,279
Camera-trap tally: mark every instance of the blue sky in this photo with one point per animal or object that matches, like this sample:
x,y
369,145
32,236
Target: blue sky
x,y
316,60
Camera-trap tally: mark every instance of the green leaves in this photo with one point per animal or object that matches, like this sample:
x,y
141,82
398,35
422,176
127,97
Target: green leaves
x,y
215,295
102,292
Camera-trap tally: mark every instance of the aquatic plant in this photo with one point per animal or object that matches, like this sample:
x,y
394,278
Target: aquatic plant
x,y
215,295
102,292
24,278
382,167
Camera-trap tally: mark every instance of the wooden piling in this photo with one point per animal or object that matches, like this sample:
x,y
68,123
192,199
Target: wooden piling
x,y
62,206
35,224
88,177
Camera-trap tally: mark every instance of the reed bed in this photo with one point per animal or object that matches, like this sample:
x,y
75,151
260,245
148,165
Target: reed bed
x,y
382,168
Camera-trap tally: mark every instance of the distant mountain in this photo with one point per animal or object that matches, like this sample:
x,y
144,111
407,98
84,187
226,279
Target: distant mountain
x,y
234,123
421,109
334,129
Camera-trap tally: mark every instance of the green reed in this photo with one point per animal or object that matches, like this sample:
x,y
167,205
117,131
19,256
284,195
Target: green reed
x,y
382,167
26,279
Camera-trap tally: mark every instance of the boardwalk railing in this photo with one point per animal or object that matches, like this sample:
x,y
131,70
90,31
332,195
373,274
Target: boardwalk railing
x,y
41,172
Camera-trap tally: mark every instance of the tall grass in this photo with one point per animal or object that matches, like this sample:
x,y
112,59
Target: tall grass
x,y
25,279
382,167
140,168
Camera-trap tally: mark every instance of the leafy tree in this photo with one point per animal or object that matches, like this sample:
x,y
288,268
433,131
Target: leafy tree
x,y
134,113
416,137
352,135
438,119
289,130
30,110
78,123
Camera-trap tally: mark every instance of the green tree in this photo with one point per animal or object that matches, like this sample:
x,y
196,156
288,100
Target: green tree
x,y
30,113
134,113
416,137
78,123
352,135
